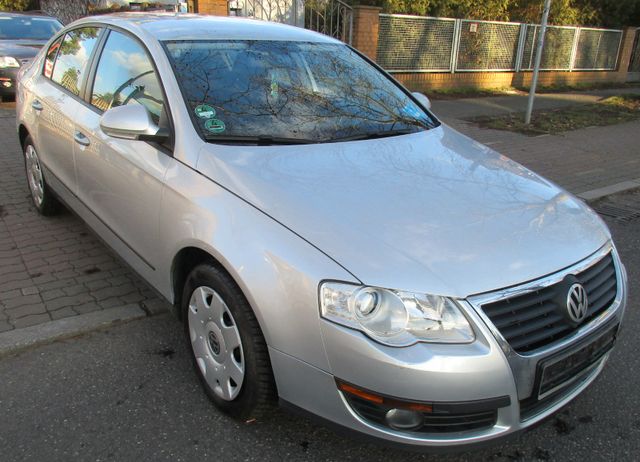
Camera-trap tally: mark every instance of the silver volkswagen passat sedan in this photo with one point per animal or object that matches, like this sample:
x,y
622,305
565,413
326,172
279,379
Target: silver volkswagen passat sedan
x,y
326,240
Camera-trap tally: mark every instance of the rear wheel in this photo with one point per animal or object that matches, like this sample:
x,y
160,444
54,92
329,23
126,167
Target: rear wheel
x,y
41,195
229,351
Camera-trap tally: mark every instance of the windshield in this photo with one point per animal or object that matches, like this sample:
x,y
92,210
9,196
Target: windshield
x,y
12,28
310,92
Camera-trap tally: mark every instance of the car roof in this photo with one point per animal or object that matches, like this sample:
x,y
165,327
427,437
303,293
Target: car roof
x,y
184,26
27,14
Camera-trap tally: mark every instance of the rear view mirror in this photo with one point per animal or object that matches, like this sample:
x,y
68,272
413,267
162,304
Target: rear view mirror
x,y
130,122
422,99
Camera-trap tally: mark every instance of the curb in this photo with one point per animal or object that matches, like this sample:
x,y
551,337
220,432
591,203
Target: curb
x,y
599,193
20,339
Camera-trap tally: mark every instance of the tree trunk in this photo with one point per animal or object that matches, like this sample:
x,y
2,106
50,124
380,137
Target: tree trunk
x,y
66,10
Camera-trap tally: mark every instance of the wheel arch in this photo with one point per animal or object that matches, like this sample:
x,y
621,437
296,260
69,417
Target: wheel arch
x,y
185,260
23,133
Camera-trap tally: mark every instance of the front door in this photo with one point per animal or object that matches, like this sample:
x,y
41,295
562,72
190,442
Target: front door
x,y
121,181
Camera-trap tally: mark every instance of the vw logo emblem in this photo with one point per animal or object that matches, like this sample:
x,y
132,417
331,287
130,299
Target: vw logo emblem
x,y
577,303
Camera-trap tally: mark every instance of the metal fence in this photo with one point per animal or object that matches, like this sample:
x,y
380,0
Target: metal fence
x,y
284,11
330,17
426,44
404,40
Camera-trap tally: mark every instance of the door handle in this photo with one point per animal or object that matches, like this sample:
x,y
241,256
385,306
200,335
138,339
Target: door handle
x,y
81,138
37,105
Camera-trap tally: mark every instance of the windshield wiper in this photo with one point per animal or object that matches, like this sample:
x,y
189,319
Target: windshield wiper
x,y
258,140
373,135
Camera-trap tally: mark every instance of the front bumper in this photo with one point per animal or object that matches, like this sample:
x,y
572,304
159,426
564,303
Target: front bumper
x,y
482,371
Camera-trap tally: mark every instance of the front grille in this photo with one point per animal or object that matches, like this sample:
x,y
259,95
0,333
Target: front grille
x,y
436,422
535,319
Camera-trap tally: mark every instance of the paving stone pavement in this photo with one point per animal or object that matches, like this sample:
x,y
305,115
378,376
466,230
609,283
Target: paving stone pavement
x,y
53,267
579,161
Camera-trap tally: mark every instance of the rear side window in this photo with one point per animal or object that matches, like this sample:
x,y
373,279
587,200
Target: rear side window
x,y
51,58
125,75
73,58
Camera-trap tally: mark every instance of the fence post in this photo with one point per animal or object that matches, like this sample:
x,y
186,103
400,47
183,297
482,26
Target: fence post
x,y
366,22
574,48
625,52
522,38
215,7
457,29
536,67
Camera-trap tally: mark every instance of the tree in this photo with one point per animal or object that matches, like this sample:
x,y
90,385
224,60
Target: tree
x,y
14,5
492,10
67,10
606,13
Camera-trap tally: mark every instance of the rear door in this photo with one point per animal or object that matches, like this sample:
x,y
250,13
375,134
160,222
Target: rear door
x,y
121,180
57,98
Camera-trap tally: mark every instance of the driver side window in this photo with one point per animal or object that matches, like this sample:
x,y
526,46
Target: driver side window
x,y
125,75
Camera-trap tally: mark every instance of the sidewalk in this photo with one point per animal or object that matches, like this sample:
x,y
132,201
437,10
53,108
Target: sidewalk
x,y
583,161
57,279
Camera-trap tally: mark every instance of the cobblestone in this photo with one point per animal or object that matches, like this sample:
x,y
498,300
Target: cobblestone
x,y
31,320
52,267
63,313
25,310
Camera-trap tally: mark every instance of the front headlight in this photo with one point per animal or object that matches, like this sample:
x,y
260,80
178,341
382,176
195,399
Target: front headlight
x,y
8,61
395,318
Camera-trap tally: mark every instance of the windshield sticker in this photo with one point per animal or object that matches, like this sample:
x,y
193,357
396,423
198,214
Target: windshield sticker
x,y
204,111
215,125
412,110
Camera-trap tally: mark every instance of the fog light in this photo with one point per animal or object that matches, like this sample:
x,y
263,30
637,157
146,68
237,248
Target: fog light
x,y
6,84
402,419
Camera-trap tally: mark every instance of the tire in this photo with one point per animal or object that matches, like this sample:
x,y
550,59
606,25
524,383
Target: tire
x,y
234,368
42,197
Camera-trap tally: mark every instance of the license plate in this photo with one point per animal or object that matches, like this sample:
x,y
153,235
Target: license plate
x,y
560,371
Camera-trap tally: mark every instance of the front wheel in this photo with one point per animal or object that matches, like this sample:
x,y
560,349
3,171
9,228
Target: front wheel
x,y
229,351
41,195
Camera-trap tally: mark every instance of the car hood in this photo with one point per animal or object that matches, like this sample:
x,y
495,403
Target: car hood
x,y
432,212
20,48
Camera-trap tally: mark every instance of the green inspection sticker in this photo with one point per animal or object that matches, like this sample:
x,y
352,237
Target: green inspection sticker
x,y
204,111
215,125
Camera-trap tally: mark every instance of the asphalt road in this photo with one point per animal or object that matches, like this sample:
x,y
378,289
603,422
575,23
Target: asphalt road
x,y
129,393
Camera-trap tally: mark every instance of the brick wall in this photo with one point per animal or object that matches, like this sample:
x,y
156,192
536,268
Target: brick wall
x,y
214,7
483,80
365,39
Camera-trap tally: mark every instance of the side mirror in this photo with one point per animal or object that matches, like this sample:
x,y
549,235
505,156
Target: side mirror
x,y
422,99
130,122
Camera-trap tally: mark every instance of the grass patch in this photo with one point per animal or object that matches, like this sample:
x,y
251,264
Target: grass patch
x,y
580,86
609,111
469,92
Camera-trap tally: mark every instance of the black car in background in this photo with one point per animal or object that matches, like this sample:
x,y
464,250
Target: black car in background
x,y
21,36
